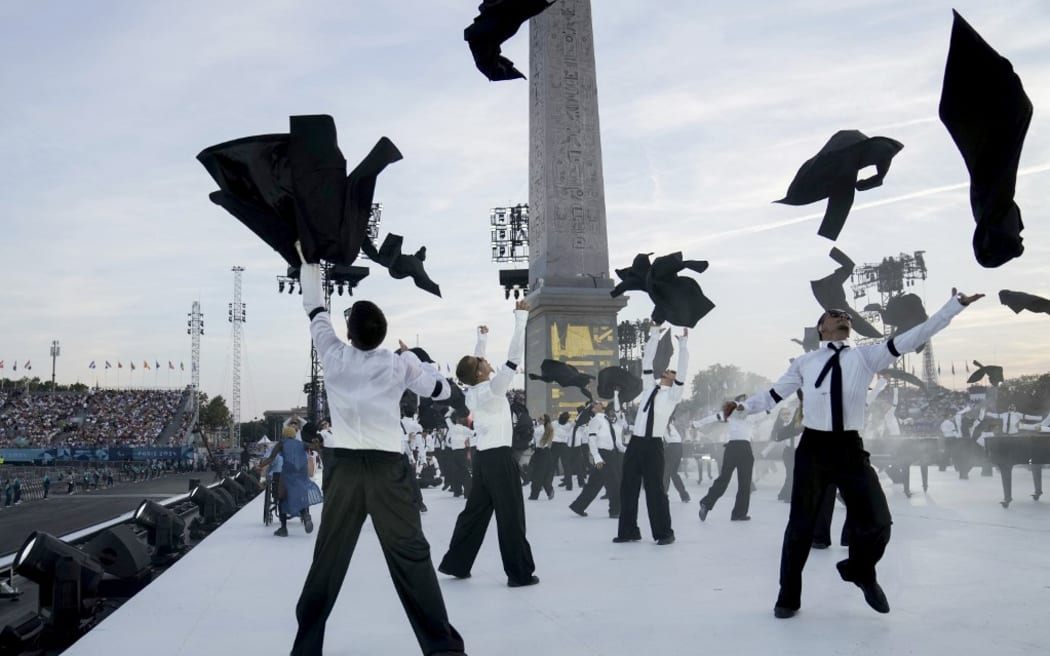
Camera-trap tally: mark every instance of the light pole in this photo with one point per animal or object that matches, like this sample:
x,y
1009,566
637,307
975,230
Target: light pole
x,y
55,352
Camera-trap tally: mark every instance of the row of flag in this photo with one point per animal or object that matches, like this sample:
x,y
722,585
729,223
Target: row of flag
x,y
14,365
120,365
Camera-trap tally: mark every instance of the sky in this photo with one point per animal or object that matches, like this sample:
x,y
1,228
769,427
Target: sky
x,y
706,113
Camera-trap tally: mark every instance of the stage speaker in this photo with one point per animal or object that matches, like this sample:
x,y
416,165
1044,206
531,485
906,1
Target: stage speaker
x,y
122,554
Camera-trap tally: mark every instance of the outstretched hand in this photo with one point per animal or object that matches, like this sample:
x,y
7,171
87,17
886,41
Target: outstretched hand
x,y
727,409
964,299
521,305
401,346
684,336
483,330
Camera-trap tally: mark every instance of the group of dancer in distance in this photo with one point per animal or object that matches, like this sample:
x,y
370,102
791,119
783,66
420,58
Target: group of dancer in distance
x,y
365,475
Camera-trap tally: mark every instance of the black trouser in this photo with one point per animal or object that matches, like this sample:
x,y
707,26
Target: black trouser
x,y
460,472
609,477
739,458
672,461
643,464
581,461
822,528
363,483
417,494
326,459
561,453
788,457
497,488
541,468
822,459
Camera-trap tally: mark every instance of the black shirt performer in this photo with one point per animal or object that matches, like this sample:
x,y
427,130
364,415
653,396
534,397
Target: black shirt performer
x,y
834,380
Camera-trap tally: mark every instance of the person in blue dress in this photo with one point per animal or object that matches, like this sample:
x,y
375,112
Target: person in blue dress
x,y
295,491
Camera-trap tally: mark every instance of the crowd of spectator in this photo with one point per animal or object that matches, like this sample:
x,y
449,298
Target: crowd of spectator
x,y
96,418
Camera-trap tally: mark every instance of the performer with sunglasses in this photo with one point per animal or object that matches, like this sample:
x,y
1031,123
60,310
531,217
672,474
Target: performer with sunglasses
x,y
496,486
834,380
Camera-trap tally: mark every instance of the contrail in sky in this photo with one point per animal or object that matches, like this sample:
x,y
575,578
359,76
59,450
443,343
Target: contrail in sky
x,y
765,227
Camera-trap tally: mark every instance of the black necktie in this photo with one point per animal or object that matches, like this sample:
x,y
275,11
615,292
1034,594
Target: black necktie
x,y
648,407
835,367
612,431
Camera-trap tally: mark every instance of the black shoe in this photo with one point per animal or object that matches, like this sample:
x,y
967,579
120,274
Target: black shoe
x,y
453,574
579,512
703,511
532,580
1005,503
873,593
742,518
550,495
1037,495
614,515
620,540
665,541
604,497
532,498
281,532
308,522
783,612
422,507
820,545
686,498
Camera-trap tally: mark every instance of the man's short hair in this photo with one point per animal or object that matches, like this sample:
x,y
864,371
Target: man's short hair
x,y
467,370
365,325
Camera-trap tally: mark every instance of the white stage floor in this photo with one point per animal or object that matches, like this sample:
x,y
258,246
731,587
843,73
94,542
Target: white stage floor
x,y
962,574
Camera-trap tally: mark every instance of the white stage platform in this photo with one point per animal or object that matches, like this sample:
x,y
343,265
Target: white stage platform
x,y
963,576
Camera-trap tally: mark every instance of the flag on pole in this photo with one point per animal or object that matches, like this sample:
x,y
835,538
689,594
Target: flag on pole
x,y
182,367
938,368
157,363
1,364
145,365
953,368
108,365
92,365
28,365
967,365
120,365
14,366
170,365
132,366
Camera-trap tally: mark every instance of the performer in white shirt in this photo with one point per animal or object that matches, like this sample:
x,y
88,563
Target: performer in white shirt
x,y
604,443
366,475
673,460
834,379
541,465
643,463
739,458
497,477
560,452
460,438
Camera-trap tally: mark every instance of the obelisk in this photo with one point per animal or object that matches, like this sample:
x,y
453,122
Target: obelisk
x,y
573,318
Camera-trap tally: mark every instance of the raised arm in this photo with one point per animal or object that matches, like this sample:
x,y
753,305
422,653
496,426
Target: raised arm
x,y
649,350
683,366
325,339
766,400
422,378
482,343
505,374
880,356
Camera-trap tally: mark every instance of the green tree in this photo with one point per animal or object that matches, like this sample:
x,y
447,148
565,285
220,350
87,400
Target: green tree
x,y
214,413
719,383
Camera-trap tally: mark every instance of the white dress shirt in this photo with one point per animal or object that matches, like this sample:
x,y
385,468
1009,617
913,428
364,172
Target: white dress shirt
x,y
364,388
739,426
458,435
666,397
1012,420
672,436
487,400
859,365
562,432
600,436
948,428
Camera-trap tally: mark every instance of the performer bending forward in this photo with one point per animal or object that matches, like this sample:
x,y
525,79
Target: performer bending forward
x,y
365,474
497,481
834,380
643,463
